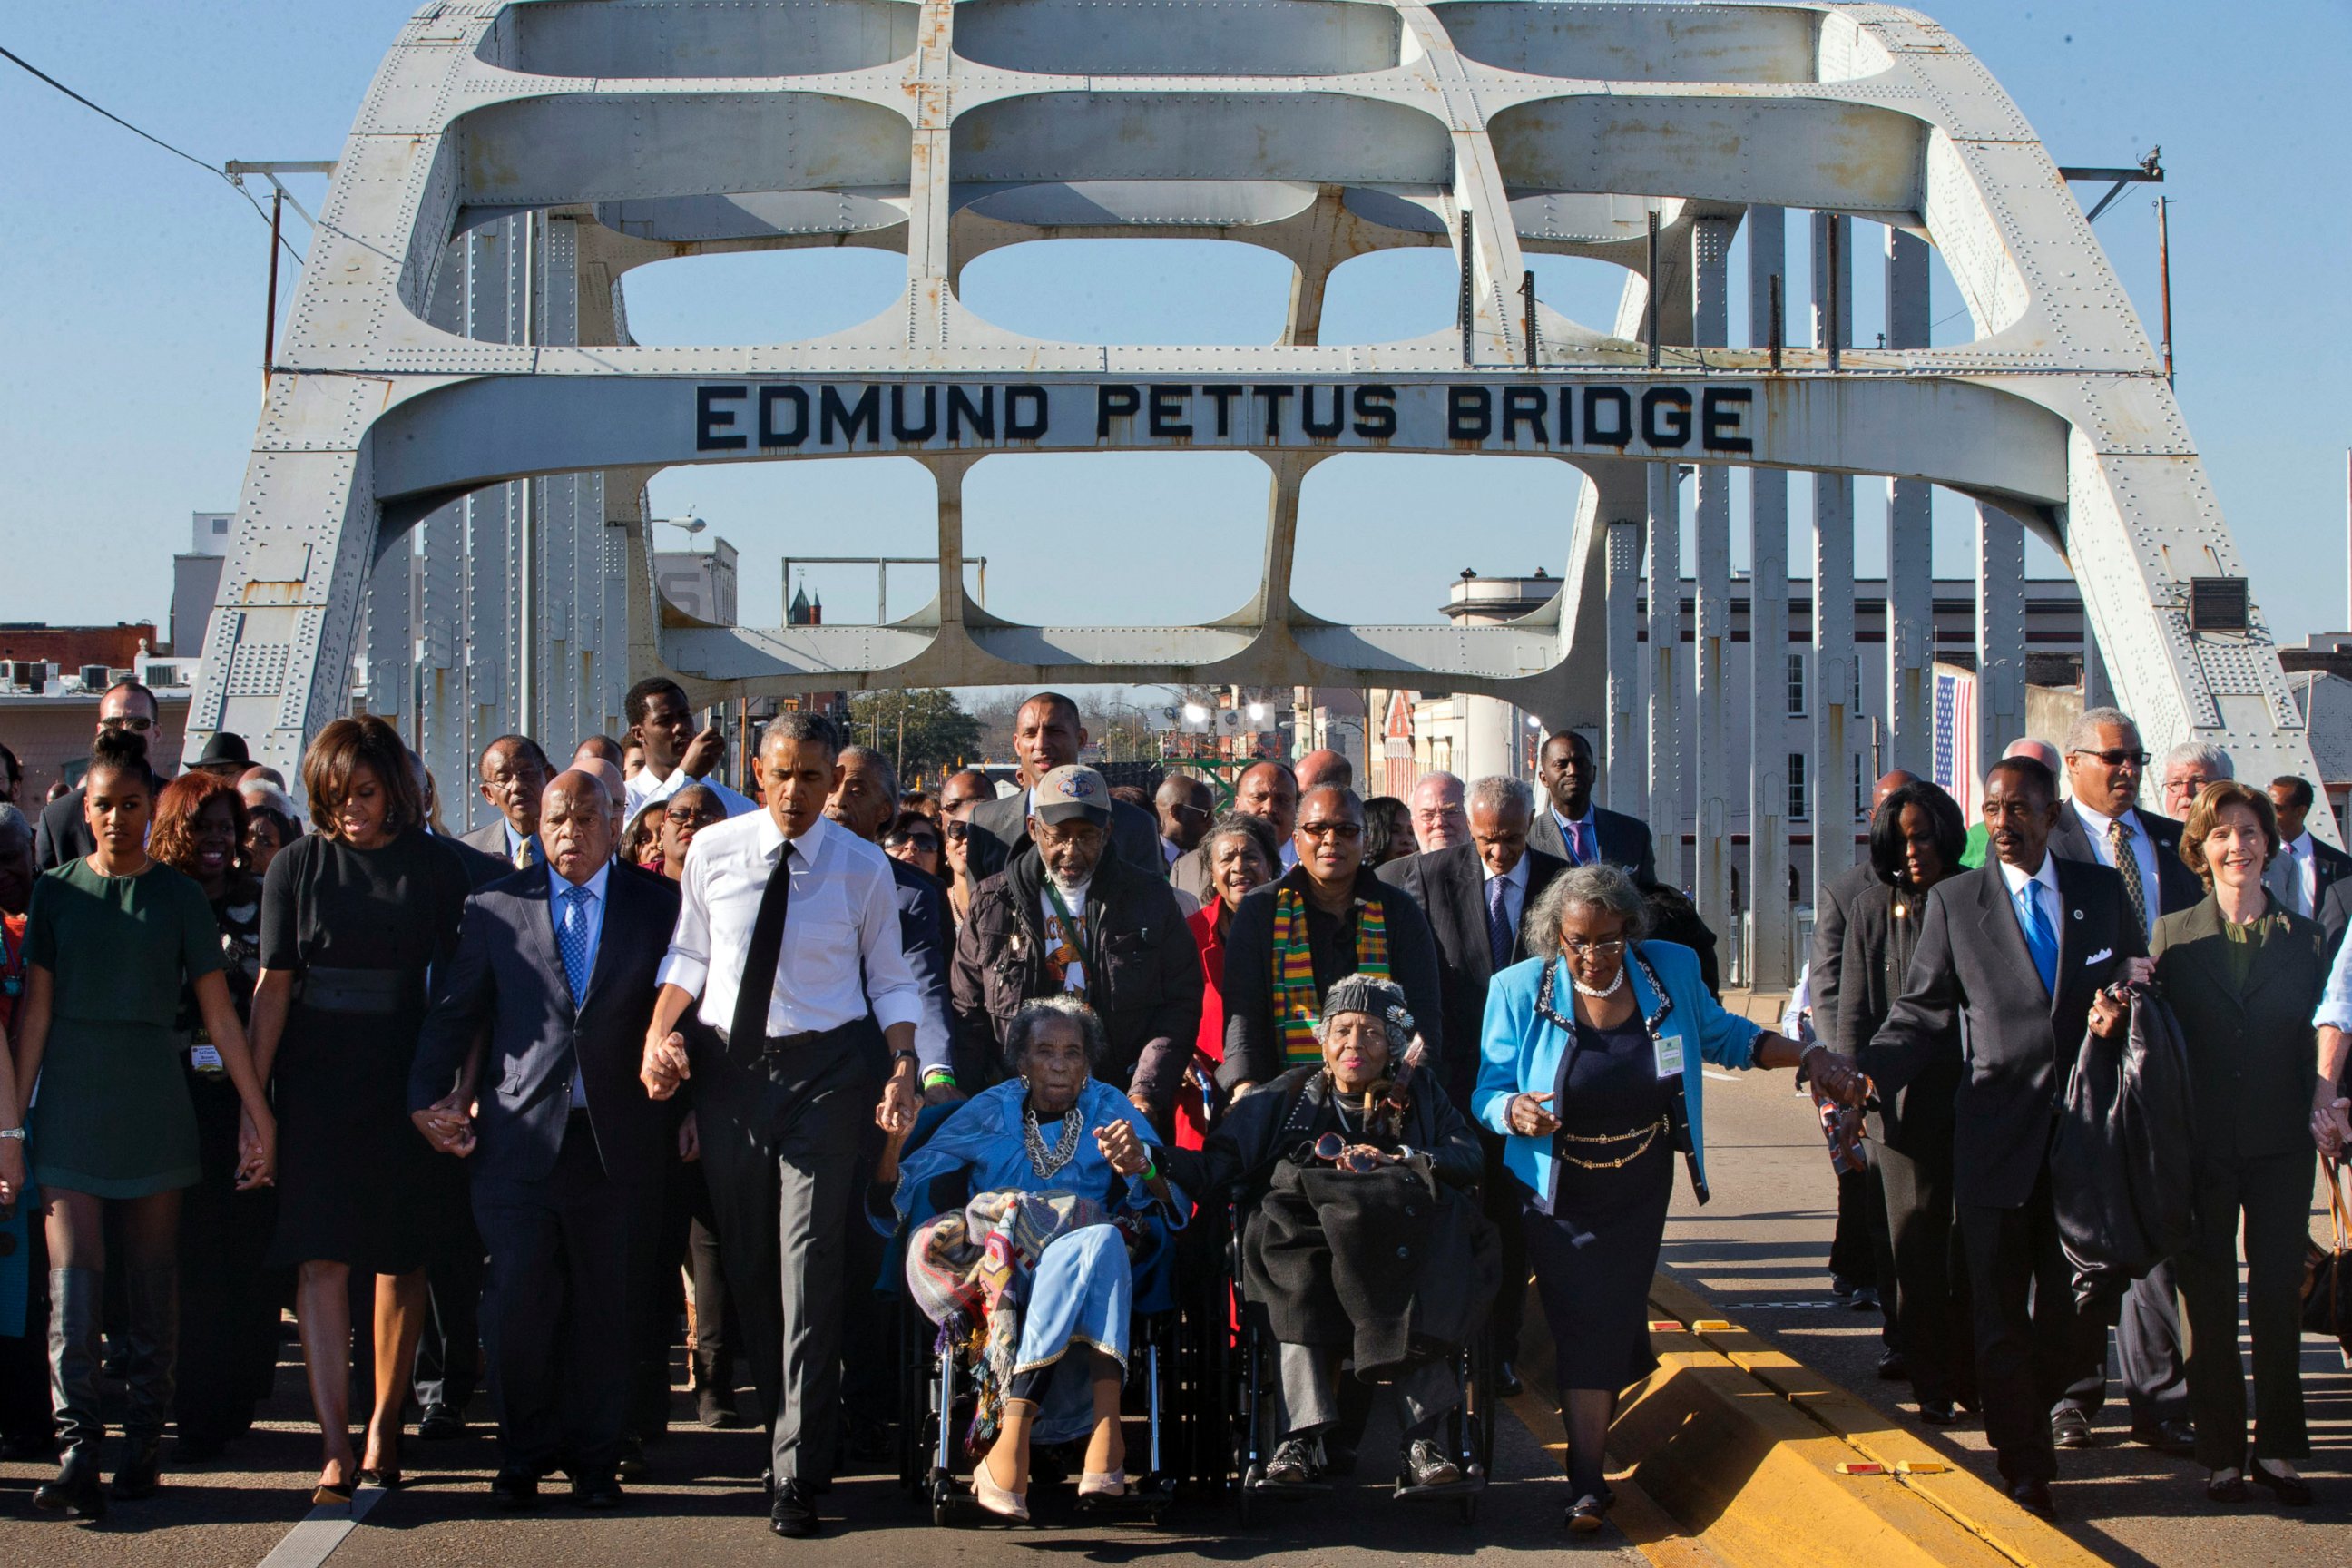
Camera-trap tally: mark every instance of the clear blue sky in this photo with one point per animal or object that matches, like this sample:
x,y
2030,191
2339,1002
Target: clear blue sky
x,y
132,286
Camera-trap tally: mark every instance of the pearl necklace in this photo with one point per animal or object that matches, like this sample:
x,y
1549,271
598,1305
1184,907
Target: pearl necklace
x,y
1596,993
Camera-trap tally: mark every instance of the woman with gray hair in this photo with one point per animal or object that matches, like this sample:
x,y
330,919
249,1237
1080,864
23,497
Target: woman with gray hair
x,y
1590,1066
1054,1133
1354,1177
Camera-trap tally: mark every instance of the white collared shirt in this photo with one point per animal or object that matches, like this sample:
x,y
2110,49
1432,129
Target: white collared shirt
x,y
646,788
592,912
1515,891
2014,880
2143,848
841,947
2301,871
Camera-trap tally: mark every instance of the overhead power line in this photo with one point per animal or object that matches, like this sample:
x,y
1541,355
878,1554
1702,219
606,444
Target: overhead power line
x,y
221,174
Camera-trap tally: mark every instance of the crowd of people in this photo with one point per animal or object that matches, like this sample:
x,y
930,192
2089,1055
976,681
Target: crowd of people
x,y
644,1048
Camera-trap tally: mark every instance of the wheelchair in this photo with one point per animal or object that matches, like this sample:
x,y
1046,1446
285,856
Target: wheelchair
x,y
1254,1401
1167,1376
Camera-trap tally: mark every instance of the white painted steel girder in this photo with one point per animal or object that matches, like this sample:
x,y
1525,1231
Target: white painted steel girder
x,y
1318,128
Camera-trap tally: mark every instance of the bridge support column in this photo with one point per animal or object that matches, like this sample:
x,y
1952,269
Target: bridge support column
x,y
1910,541
1625,774
1830,783
1999,633
1711,733
1665,627
1767,942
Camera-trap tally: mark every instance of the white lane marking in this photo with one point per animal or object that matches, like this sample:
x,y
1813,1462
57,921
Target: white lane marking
x,y
1720,1077
311,1542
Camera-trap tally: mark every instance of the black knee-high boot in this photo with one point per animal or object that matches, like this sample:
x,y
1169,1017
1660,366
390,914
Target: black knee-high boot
x,y
153,1296
76,1298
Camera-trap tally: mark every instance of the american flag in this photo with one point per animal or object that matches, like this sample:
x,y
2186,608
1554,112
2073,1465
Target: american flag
x,y
1955,737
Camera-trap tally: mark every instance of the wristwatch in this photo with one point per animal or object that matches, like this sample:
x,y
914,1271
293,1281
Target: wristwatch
x,y
897,1057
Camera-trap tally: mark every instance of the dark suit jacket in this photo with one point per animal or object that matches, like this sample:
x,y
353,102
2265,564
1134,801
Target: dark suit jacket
x,y
2330,867
2335,914
1001,831
507,978
1451,886
62,835
1253,1040
1872,968
2251,1053
1973,969
483,866
490,838
2177,887
1834,904
927,933
1624,840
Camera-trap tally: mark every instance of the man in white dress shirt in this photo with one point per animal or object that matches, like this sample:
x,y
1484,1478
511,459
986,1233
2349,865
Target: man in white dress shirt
x,y
787,931
676,754
2305,868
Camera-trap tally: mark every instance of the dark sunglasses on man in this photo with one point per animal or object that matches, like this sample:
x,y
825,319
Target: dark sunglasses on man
x,y
2117,758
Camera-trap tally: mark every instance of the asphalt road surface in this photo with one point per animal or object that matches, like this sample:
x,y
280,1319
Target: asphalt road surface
x,y
1761,1247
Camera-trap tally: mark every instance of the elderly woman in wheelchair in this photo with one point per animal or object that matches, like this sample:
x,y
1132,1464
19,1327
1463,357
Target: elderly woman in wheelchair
x,y
1360,1233
1035,1276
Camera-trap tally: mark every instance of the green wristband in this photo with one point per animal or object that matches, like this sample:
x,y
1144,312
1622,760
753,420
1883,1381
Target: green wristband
x,y
936,1077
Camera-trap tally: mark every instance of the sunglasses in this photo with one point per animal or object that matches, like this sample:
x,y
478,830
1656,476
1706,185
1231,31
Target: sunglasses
x,y
2117,758
1347,832
922,842
954,829
130,722
1332,1149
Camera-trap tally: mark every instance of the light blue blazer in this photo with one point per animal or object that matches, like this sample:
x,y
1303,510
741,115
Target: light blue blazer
x,y
1519,1053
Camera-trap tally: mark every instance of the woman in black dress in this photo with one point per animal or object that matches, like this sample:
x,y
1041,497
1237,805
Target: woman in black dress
x,y
1916,838
1589,1062
228,1300
352,918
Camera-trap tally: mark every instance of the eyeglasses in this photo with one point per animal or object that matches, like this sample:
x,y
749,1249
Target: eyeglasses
x,y
956,829
922,843
688,816
2117,758
1346,831
130,722
1578,948
1190,810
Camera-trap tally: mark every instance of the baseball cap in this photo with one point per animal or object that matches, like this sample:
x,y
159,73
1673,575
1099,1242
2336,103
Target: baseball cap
x,y
1069,792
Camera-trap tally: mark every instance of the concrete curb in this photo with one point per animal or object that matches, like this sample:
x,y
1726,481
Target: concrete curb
x,y
1741,1447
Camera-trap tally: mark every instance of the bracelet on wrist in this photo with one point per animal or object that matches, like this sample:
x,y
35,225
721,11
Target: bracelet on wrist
x,y
938,1077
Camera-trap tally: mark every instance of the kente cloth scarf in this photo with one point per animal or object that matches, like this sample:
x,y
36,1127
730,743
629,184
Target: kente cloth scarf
x,y
969,1271
1295,1003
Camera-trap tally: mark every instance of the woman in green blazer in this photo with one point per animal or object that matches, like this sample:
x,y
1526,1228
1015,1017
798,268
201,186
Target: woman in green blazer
x,y
2243,973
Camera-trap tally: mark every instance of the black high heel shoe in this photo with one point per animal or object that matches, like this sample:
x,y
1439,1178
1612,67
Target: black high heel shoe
x,y
2291,1490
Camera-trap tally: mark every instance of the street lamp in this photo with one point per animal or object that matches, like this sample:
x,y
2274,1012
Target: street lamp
x,y
1195,714
1258,712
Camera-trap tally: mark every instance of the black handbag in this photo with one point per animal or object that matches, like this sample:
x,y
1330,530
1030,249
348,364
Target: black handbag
x,y
2328,1270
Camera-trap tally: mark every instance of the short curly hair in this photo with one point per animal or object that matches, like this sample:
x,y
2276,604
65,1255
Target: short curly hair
x,y
1600,886
2205,814
1022,1031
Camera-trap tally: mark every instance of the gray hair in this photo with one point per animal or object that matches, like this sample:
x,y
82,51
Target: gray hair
x,y
1497,792
1599,885
2083,734
877,763
1022,1031
1242,825
2209,757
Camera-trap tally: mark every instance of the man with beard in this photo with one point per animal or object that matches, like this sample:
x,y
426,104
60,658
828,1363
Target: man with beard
x,y
1068,917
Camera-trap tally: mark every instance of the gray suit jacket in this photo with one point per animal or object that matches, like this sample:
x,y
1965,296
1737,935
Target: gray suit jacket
x,y
1832,907
490,838
1451,886
1624,840
1972,979
1002,829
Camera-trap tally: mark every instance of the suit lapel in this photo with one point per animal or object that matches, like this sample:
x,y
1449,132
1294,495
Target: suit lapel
x,y
1997,913
541,936
1467,895
620,900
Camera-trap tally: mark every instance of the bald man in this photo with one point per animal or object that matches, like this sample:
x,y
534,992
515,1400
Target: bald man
x,y
557,965
1318,768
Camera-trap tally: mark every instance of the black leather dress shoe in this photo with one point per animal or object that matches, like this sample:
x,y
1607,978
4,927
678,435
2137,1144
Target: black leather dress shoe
x,y
2175,1437
793,1513
1588,1513
439,1424
633,1457
515,1489
2034,1498
596,1489
1892,1368
2291,1490
2071,1429
1506,1381
1938,1413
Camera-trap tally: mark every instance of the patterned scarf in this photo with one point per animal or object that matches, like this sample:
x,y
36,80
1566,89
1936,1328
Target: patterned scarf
x,y
1295,1003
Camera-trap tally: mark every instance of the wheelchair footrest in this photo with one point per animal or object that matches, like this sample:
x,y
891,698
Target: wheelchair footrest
x,y
1473,1481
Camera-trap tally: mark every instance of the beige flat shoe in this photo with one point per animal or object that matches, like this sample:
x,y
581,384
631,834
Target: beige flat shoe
x,y
1103,1483
1014,1506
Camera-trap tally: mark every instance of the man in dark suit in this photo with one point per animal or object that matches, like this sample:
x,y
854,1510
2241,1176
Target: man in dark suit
x,y
555,974
62,835
2102,822
1477,896
2305,871
2013,958
514,773
1046,736
1266,790
1572,828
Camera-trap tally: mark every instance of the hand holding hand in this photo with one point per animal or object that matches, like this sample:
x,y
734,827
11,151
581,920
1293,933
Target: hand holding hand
x,y
2331,1121
666,1065
257,1152
12,1172
1834,1077
900,1100
1122,1148
1530,1115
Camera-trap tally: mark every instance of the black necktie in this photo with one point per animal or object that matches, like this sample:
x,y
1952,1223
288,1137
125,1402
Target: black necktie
x,y
746,1038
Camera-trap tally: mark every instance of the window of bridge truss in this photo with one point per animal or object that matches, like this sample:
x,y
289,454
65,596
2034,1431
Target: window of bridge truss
x,y
761,296
767,512
1382,537
1142,290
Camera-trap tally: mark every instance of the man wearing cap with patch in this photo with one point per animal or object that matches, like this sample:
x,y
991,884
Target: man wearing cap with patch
x,y
1067,915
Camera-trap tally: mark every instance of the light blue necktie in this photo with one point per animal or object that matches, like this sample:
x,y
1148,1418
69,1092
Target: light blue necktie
x,y
571,938
2040,937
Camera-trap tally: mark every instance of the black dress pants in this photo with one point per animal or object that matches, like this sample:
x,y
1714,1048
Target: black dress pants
x,y
2030,1342
2273,1193
1929,1307
228,1297
570,1275
780,1145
